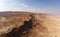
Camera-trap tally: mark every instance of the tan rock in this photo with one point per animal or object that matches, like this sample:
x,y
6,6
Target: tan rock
x,y
29,25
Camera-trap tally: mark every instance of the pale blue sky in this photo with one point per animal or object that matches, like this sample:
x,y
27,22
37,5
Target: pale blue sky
x,y
43,6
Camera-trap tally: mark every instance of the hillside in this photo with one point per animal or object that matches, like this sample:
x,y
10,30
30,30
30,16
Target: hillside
x,y
24,24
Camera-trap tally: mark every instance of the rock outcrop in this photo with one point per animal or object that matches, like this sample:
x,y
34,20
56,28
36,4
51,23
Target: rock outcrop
x,y
29,25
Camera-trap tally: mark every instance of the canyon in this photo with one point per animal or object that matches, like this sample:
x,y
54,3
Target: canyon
x,y
26,24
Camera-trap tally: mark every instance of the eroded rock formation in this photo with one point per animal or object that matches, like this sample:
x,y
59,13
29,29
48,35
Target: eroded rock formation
x,y
29,25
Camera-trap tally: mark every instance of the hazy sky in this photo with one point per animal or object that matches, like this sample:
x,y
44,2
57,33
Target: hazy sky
x,y
42,6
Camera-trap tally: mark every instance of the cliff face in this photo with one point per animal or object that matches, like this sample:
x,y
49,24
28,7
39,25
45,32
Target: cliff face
x,y
12,22
29,25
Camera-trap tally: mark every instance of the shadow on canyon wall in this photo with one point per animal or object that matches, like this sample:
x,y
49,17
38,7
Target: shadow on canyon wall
x,y
23,30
